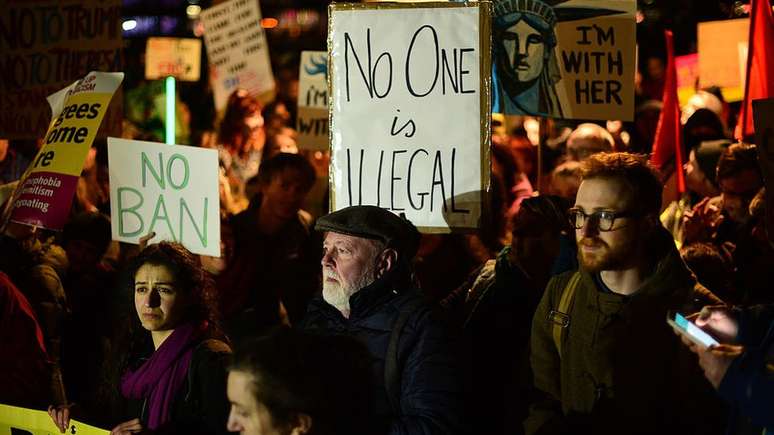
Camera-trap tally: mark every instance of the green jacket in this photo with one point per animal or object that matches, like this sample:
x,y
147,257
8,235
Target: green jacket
x,y
622,370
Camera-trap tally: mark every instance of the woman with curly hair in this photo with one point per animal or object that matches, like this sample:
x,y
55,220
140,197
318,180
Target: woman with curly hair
x,y
170,372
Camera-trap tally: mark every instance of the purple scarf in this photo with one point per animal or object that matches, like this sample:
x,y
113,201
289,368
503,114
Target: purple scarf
x,y
160,377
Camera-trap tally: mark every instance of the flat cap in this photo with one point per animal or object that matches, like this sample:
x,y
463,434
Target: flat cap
x,y
374,223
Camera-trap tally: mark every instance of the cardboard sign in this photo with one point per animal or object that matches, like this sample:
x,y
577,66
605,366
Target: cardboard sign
x,y
45,194
169,189
687,76
312,118
44,46
177,57
237,50
723,56
573,60
23,421
410,110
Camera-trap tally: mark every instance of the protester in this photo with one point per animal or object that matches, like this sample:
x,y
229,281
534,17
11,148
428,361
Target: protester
x,y
241,139
588,139
565,180
89,285
740,368
170,368
713,269
368,294
275,256
25,371
274,390
36,266
497,304
700,181
603,358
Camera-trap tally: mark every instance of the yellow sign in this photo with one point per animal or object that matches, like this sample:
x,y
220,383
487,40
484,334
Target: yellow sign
x,y
14,420
723,56
176,57
45,193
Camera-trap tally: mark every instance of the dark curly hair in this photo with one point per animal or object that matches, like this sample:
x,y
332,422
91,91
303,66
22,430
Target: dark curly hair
x,y
132,341
190,277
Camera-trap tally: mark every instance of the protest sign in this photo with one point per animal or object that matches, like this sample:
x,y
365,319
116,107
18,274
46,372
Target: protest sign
x,y
175,57
44,46
312,117
23,421
410,109
723,56
687,76
763,118
564,59
237,50
45,193
153,187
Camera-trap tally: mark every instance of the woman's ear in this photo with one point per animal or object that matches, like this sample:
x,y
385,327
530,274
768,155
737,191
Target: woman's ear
x,y
386,261
302,426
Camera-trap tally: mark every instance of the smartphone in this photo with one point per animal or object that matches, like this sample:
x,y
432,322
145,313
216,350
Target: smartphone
x,y
690,330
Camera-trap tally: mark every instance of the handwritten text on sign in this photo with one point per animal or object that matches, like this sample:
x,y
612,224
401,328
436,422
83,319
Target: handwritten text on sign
x,y
170,190
312,119
44,46
237,49
175,57
406,115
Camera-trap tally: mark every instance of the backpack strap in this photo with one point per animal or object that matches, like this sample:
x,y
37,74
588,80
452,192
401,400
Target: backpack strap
x,y
391,367
560,317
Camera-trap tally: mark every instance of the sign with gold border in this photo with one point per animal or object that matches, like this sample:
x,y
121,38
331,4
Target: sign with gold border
x,y
410,98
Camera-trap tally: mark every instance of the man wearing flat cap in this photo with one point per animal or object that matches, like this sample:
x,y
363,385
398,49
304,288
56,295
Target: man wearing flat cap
x,y
368,293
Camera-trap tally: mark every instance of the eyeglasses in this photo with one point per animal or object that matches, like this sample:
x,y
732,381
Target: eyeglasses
x,y
603,219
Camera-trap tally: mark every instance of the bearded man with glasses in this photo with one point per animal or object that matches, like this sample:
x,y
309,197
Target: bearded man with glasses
x,y
603,357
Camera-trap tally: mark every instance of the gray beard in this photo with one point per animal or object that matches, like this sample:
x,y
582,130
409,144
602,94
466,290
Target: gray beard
x,y
338,295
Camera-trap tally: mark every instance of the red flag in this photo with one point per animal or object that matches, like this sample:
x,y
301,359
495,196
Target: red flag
x,y
760,65
668,139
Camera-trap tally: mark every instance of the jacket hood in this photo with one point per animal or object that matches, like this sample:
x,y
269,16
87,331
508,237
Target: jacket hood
x,y
670,272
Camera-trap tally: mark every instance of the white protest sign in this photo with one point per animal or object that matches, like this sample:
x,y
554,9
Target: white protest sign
x,y
312,118
237,50
169,189
410,110
177,57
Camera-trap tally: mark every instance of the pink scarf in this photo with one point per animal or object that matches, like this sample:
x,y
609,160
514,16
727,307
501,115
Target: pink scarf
x,y
160,378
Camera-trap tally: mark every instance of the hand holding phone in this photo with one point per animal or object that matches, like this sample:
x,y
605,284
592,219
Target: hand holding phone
x,y
690,330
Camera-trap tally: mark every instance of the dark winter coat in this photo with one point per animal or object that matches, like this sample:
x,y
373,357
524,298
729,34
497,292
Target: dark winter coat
x,y
201,405
622,369
431,383
748,385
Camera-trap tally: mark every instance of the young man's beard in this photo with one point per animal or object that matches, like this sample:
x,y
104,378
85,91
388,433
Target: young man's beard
x,y
604,257
337,294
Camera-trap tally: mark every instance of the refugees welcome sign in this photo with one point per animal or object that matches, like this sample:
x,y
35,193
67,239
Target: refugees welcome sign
x,y
45,193
171,190
410,110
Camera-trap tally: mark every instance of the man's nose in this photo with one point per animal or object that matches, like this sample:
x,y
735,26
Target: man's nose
x,y
590,227
327,259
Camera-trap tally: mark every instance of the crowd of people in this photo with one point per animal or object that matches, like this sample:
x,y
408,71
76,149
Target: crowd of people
x,y
551,319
